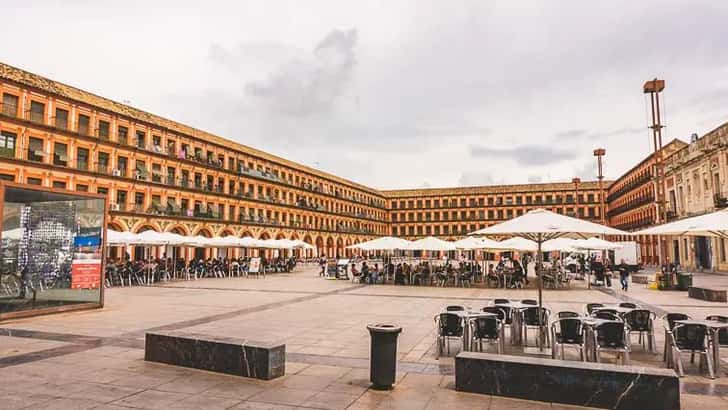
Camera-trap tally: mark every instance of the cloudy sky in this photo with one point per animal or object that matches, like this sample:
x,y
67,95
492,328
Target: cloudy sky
x,y
397,94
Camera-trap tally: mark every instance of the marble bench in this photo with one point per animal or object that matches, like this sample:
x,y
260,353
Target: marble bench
x,y
711,295
568,382
238,357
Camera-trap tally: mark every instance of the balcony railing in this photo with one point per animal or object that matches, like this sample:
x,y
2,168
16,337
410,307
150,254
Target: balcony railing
x,y
720,200
7,152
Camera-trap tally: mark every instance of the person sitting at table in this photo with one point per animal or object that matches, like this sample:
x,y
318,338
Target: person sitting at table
x,y
423,274
518,278
398,275
364,272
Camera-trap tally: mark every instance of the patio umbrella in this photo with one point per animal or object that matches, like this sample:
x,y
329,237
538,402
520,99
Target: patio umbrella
x,y
712,224
431,243
541,225
116,238
385,243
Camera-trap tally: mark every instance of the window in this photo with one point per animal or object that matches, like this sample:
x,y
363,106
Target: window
x,y
7,144
104,129
81,188
37,110
103,166
103,191
141,140
34,181
121,199
83,127
10,105
60,154
139,200
723,256
61,118
122,164
59,184
35,150
122,135
82,156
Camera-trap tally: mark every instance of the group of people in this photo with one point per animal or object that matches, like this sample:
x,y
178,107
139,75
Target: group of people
x,y
155,269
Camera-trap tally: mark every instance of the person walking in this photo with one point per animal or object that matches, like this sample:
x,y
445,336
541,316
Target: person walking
x,y
623,274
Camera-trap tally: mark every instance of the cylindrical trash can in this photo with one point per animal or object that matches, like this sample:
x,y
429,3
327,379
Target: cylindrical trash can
x,y
684,281
383,356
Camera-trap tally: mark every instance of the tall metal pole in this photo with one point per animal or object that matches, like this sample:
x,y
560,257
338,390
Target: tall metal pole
x,y
654,87
599,153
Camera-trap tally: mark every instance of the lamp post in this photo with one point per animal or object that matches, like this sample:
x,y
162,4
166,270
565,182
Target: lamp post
x,y
599,153
576,181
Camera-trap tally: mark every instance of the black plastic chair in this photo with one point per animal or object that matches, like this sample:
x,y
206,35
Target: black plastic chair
x,y
628,305
455,308
691,338
612,336
502,316
567,331
668,322
488,330
567,314
501,302
722,333
615,312
642,322
530,302
449,325
531,320
590,307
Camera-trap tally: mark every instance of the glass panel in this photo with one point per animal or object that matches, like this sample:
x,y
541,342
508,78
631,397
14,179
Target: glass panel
x,y
51,250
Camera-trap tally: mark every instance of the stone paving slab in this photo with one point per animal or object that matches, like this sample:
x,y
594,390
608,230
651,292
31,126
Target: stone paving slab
x,y
322,324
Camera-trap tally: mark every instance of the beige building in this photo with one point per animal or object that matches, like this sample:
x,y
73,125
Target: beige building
x,y
697,183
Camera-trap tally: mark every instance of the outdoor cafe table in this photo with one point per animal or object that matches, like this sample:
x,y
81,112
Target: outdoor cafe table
x,y
620,309
516,308
715,327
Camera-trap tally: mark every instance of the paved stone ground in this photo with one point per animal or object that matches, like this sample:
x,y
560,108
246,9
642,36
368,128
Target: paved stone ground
x,y
94,359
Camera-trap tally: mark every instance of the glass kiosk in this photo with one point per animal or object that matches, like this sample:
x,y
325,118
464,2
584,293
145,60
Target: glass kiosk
x,y
51,255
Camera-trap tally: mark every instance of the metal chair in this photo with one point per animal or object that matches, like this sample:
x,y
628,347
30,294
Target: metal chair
x,y
530,302
628,305
567,331
612,336
501,301
615,312
691,338
668,322
642,322
567,314
722,333
590,307
531,320
449,325
488,330
455,308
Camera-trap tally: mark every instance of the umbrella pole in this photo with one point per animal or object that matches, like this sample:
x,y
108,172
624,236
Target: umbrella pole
x,y
539,260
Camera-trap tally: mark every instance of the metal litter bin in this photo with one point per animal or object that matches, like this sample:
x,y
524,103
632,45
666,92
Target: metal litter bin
x,y
383,356
684,281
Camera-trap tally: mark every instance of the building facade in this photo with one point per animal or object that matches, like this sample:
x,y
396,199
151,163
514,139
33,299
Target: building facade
x,y
453,212
696,181
631,202
162,175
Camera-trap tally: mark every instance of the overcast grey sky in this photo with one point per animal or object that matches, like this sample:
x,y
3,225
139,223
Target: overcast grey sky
x,y
397,94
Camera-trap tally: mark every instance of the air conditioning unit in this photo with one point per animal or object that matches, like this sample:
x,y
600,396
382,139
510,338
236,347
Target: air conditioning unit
x,y
115,207
116,173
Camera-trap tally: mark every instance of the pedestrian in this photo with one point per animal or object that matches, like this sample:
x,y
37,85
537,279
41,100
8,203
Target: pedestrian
x,y
623,274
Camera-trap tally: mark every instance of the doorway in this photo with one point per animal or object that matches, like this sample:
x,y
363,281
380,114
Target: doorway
x,y
703,254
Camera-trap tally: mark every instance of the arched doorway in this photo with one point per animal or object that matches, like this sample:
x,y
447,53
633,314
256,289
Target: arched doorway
x,y
320,250
203,253
330,251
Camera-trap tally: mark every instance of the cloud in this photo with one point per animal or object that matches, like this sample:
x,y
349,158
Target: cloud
x,y
303,87
575,134
587,171
535,179
528,155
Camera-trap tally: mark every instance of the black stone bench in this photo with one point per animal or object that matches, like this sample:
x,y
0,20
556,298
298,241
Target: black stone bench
x,y
568,382
642,279
217,354
711,295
